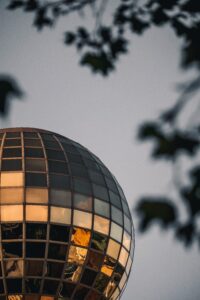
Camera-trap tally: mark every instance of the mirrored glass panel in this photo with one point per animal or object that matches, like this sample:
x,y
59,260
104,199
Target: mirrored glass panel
x,y
113,249
101,208
35,165
11,165
82,202
34,249
36,231
82,219
101,224
116,215
116,232
11,179
81,237
60,215
108,266
60,197
34,267
94,259
14,268
36,213
99,242
123,257
36,195
72,271
12,213
77,254
126,240
11,231
11,195
57,251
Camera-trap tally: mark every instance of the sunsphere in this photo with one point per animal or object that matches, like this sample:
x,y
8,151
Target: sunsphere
x,y
66,229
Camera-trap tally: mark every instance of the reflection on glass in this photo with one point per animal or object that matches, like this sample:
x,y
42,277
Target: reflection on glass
x,y
101,224
99,242
116,232
33,268
57,251
115,294
36,213
11,231
36,195
128,266
110,288
81,292
13,268
36,231
66,290
11,195
101,282
12,250
72,271
94,260
46,298
108,266
35,165
60,197
77,254
34,249
32,285
93,295
113,249
88,277
127,223
122,281
60,215
116,215
126,240
54,269
31,297
11,179
102,208
15,297
83,202
82,219
123,257
11,213
81,237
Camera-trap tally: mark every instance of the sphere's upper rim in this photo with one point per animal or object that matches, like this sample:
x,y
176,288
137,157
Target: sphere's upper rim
x,y
27,129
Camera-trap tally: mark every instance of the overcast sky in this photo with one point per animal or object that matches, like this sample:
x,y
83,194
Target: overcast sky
x,y
103,115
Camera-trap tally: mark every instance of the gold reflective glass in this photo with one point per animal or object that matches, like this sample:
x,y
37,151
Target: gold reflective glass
x,y
115,294
83,202
11,179
126,240
122,281
15,297
11,213
108,266
123,257
116,232
60,215
82,219
101,225
46,298
81,237
14,268
110,288
72,272
36,195
11,195
128,266
36,213
77,254
113,249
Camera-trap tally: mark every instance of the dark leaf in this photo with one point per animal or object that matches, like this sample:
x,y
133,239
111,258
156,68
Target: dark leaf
x,y
192,6
70,38
105,33
99,63
186,233
15,4
31,5
82,32
149,130
159,17
158,209
41,19
137,25
118,46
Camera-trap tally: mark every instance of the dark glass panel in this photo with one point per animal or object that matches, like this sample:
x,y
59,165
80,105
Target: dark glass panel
x,y
116,215
11,231
57,167
34,152
88,277
94,259
35,249
0,271
78,170
12,152
97,177
14,285
67,289
12,134
101,282
126,209
12,142
51,144
32,285
59,181
59,233
32,135
74,158
36,231
36,179
99,242
32,143
57,251
54,154
60,197
35,165
94,296
47,137
69,148
100,192
81,186
105,171
115,199
12,250
82,202
91,164
1,289
127,223
50,287
11,164
81,293
85,153
34,267
72,271
111,185
54,269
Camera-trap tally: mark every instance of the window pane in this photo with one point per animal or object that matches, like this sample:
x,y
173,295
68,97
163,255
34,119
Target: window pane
x,y
12,142
51,144
100,192
36,195
123,281
126,240
67,290
34,152
82,186
12,195
34,249
97,177
116,215
59,181
12,134
57,251
82,202
14,285
12,179
32,286
94,260
10,231
11,213
101,224
35,165
11,164
113,249
36,213
12,152
60,215
123,257
82,219
77,254
36,231
127,223
59,233
116,232
11,250
32,143
60,197
88,277
99,242
108,266
30,135
33,268
57,167
115,199
36,179
81,237
101,208
57,155
78,170
14,268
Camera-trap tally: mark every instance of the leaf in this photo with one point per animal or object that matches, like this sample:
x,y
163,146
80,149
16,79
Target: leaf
x,y
70,38
105,33
31,5
155,209
149,130
41,19
159,17
15,4
192,6
118,46
99,63
186,233
137,25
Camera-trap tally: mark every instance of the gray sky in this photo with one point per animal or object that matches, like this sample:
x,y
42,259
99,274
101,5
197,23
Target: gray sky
x,y
103,115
